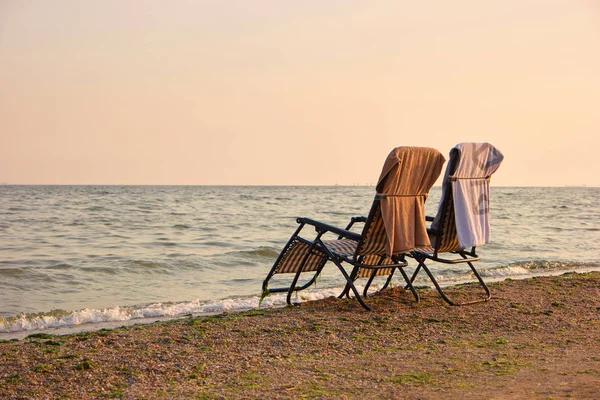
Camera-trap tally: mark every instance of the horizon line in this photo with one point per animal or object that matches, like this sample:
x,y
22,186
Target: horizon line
x,y
267,185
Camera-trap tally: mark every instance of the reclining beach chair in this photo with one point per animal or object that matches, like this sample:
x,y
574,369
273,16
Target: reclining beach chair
x,y
463,218
395,225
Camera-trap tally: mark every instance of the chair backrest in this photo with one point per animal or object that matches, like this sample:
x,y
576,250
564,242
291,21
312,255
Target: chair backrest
x,y
373,239
372,248
445,238
469,170
394,225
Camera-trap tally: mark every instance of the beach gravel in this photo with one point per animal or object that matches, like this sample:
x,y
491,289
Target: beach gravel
x,y
537,338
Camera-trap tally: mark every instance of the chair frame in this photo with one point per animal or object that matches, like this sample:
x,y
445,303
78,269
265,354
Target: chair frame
x,y
356,260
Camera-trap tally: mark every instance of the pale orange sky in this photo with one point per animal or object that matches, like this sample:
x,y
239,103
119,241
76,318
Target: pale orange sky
x,y
294,92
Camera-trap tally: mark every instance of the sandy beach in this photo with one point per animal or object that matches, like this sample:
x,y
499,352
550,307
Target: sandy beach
x,y
537,338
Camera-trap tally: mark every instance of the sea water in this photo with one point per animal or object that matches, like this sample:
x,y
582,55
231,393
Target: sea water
x,y
73,255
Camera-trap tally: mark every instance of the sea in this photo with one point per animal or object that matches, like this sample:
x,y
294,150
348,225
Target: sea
x,y
87,257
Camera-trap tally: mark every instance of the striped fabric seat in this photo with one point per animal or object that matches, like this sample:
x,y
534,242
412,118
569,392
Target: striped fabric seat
x,y
294,254
347,249
374,259
344,247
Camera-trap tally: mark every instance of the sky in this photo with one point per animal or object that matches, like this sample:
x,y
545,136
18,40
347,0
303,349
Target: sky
x,y
312,92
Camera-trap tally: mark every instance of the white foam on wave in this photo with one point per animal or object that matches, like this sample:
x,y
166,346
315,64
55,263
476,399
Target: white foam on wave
x,y
28,322
86,316
506,271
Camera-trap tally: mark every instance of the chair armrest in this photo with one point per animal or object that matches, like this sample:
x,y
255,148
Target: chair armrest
x,y
353,220
358,219
322,227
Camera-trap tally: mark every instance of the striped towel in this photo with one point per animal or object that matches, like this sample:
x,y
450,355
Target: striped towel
x,y
407,176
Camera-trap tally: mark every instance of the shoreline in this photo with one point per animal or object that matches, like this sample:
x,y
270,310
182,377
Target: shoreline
x,y
277,301
536,338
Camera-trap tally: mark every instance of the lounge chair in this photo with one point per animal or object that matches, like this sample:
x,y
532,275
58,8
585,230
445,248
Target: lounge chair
x,y
463,219
395,225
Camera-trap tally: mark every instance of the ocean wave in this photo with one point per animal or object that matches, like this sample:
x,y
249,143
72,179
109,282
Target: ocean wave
x,y
60,318
94,318
259,252
169,267
181,226
75,223
164,242
343,213
69,319
149,265
505,271
217,243
60,266
95,208
100,269
13,272
536,265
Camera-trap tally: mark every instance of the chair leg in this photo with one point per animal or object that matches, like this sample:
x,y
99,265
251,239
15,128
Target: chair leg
x,y
443,294
409,285
389,278
293,287
385,285
488,294
368,284
349,284
346,291
414,275
387,282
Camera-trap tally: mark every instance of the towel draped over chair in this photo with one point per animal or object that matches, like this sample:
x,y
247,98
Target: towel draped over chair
x,y
471,191
407,176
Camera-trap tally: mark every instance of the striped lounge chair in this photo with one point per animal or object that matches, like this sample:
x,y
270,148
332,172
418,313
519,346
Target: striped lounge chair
x,y
462,220
389,232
